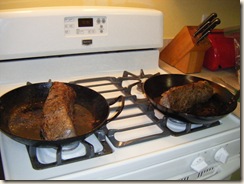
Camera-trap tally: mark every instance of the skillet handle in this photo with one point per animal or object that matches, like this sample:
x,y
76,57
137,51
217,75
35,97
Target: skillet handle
x,y
119,109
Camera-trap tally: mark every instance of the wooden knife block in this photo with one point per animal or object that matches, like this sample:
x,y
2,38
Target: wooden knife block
x,y
184,53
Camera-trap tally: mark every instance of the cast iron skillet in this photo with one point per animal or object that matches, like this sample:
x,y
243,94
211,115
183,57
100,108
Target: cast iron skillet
x,y
222,102
34,94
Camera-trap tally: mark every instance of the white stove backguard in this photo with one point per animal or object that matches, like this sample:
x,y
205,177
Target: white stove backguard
x,y
68,30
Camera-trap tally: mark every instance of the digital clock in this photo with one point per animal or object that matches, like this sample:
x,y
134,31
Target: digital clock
x,y
85,22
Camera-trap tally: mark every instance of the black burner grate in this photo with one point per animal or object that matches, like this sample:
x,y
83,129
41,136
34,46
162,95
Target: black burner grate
x,y
89,153
142,104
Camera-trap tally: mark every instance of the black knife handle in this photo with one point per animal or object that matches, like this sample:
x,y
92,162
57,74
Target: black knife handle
x,y
205,33
202,28
203,36
213,24
209,18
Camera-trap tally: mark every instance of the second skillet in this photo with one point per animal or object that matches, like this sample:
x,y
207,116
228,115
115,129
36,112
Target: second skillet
x,y
224,101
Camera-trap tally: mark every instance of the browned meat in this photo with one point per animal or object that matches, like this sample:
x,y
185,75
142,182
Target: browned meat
x,y
181,98
58,112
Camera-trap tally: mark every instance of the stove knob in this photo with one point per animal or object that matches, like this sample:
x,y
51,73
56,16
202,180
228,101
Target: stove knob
x,y
199,164
221,155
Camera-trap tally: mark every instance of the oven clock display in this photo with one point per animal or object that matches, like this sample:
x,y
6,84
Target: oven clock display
x,y
85,22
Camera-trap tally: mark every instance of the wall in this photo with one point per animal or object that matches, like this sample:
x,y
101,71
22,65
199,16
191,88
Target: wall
x,y
177,13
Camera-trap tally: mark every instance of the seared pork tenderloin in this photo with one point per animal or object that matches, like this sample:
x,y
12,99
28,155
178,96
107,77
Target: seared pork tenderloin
x,y
58,112
181,98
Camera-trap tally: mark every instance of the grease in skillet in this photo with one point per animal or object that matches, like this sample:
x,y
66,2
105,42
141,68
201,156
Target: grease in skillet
x,y
26,120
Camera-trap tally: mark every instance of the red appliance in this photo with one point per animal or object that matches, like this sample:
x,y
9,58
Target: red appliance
x,y
222,52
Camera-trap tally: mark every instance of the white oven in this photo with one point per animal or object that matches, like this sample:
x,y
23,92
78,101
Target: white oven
x,y
109,50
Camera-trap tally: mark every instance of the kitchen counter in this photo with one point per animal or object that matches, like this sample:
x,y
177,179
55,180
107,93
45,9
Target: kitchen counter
x,y
221,76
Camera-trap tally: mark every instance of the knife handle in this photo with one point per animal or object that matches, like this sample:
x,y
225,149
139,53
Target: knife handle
x,y
205,33
201,29
203,36
213,24
209,18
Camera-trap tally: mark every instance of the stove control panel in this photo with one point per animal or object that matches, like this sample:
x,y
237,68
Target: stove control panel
x,y
85,26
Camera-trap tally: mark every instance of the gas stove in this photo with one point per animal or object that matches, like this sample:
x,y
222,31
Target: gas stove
x,y
110,51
